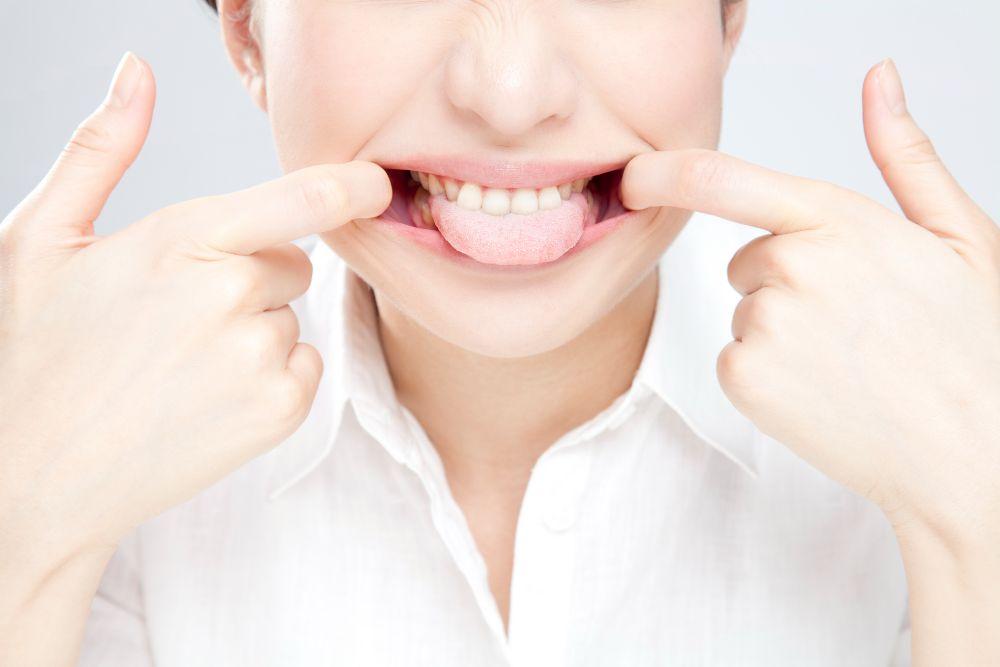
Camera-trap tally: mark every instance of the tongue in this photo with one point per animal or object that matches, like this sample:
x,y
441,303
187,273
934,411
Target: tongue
x,y
512,239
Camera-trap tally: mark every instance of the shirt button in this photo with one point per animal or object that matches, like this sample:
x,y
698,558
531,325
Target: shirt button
x,y
560,516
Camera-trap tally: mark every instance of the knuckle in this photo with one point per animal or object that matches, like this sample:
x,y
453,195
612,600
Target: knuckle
x,y
739,261
781,265
91,138
919,150
305,279
300,268
732,368
300,259
321,192
291,323
701,173
236,288
758,316
770,258
290,399
761,312
180,227
258,342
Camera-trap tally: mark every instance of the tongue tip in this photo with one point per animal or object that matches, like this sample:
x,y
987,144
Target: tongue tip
x,y
512,239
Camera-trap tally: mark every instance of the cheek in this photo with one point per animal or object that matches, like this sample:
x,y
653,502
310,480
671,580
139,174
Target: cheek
x,y
665,80
337,72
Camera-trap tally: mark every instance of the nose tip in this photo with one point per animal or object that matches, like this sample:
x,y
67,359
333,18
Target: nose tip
x,y
513,83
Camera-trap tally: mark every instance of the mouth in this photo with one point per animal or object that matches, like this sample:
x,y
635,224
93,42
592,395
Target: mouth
x,y
505,214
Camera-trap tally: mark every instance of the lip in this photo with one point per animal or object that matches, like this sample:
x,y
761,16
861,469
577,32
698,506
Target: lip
x,y
433,241
492,173
497,173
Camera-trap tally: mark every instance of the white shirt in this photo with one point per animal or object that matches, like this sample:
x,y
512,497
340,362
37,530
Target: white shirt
x,y
667,530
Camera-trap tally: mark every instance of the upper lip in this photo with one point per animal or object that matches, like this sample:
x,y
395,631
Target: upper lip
x,y
500,173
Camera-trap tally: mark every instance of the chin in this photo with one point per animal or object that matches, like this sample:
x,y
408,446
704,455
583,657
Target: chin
x,y
505,311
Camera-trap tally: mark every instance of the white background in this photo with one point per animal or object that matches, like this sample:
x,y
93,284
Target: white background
x,y
793,98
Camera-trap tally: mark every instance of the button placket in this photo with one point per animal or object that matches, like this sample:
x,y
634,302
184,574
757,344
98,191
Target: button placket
x,y
560,513
545,557
561,485
451,526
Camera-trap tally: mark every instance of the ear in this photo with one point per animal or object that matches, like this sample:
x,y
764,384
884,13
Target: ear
x,y
239,21
735,14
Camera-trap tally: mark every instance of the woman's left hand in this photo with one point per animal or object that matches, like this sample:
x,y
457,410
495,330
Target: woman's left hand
x,y
866,341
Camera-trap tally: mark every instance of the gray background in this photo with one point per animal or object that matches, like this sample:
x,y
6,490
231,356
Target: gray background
x,y
793,98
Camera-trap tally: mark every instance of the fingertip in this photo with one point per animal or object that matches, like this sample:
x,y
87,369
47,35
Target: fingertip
x,y
875,69
629,190
890,87
643,179
369,187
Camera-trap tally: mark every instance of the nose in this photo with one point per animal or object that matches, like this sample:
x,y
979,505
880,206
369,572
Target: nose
x,y
507,73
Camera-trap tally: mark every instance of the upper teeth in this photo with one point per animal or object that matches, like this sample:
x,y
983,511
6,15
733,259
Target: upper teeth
x,y
498,201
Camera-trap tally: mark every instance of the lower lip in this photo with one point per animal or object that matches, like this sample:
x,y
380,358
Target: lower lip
x,y
436,243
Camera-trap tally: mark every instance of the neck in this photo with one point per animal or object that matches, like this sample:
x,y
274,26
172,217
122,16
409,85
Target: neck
x,y
491,418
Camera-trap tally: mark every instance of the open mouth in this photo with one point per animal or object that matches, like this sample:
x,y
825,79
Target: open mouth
x,y
506,225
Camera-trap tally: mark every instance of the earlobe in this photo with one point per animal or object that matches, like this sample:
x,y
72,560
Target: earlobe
x,y
253,78
735,19
237,19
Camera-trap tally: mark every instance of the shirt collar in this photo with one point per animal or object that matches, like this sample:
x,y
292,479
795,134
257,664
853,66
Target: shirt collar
x,y
690,326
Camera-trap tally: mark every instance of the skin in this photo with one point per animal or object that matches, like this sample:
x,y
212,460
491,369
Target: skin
x,y
494,79
868,342
926,451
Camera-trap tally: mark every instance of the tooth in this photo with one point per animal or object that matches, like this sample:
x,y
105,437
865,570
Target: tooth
x,y
423,210
548,198
524,201
434,185
565,190
423,179
590,198
425,215
415,176
496,201
450,188
578,184
470,197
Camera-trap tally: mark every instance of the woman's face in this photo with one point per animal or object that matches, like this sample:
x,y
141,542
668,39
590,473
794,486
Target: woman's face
x,y
528,94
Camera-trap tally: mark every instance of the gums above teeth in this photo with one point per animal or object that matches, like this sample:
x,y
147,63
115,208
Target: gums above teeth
x,y
495,201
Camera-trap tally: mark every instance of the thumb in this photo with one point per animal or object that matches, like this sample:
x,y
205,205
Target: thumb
x,y
924,188
71,195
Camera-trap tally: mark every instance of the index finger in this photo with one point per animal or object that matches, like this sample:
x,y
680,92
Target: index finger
x,y
314,199
728,187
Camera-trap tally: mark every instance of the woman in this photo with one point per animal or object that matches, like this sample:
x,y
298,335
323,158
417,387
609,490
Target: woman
x,y
498,441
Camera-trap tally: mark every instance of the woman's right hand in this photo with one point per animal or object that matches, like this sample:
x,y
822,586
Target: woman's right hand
x,y
140,367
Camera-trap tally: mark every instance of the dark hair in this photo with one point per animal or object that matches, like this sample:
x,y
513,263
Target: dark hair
x,y
211,3
725,5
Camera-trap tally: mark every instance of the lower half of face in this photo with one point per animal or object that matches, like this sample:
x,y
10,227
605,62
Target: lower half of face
x,y
504,126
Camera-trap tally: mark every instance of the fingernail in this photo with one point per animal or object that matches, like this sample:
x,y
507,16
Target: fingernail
x,y
126,80
892,87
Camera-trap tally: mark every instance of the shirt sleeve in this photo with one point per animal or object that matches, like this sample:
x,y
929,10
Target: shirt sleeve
x,y
115,633
901,655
